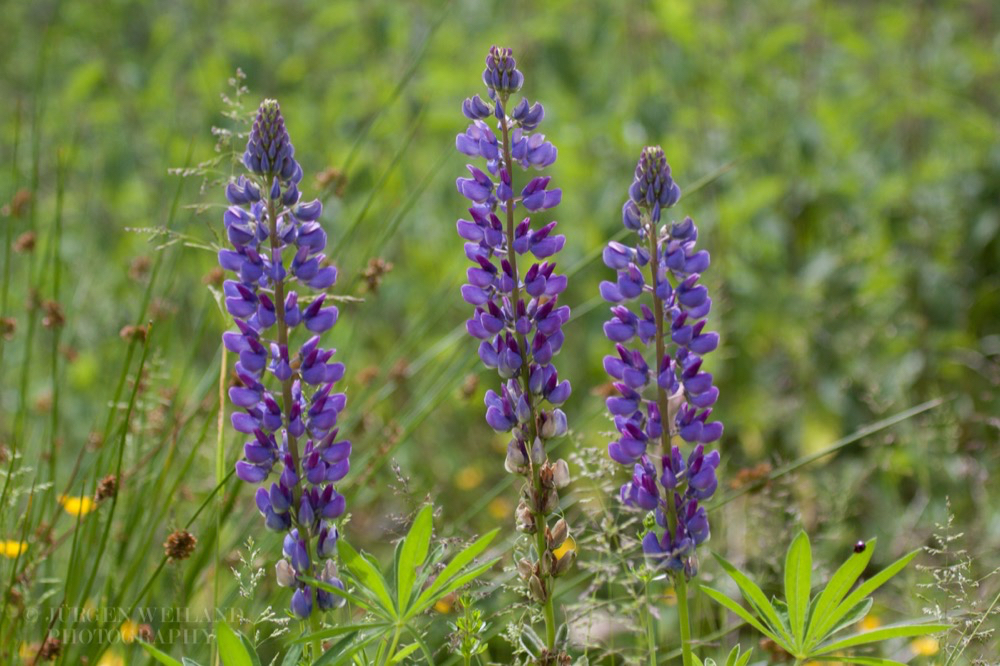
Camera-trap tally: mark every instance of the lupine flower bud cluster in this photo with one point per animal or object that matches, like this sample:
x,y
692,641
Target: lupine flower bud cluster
x,y
286,394
663,268
517,316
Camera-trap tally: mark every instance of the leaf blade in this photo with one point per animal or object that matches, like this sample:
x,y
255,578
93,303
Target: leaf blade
x,y
367,575
798,581
413,554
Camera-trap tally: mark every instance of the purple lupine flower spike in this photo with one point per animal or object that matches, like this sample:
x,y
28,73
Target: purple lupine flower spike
x,y
662,271
514,290
286,393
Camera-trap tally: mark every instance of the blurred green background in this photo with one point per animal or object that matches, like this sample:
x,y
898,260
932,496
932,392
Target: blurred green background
x,y
840,158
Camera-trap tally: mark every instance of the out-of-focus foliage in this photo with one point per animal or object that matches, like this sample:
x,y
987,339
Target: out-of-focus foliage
x,y
849,163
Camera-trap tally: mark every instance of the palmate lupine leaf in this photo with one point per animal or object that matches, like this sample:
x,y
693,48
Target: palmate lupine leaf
x,y
837,589
803,622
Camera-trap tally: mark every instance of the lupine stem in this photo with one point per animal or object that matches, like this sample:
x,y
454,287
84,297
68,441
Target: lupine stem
x,y
680,583
279,307
540,521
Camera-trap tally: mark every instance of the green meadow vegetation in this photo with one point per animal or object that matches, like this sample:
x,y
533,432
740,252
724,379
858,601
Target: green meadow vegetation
x,y
841,160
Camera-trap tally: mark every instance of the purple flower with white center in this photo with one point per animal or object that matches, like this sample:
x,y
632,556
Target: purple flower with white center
x,y
662,271
517,316
286,393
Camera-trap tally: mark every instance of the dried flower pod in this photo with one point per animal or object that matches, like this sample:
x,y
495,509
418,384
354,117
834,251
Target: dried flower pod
x,y
525,519
25,243
53,317
564,564
525,568
537,589
50,650
557,535
179,545
107,487
547,563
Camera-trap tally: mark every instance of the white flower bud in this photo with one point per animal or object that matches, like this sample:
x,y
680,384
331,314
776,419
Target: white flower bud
x,y
560,474
285,574
537,452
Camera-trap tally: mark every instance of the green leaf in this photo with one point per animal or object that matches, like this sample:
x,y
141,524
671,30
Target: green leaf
x,y
344,594
405,652
755,597
862,591
454,567
344,651
367,575
798,581
745,659
187,661
340,630
292,656
853,616
838,587
881,634
161,657
748,617
862,661
251,650
421,605
231,648
413,554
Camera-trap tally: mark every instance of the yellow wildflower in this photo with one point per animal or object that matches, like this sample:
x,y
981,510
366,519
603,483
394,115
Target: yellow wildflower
x,y
870,623
111,659
925,646
500,508
468,477
129,631
670,596
77,506
12,549
444,605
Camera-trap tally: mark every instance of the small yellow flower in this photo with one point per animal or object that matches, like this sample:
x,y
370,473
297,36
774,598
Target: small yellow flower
x,y
77,506
129,631
670,596
27,650
925,646
568,545
870,623
500,508
12,549
111,659
468,478
444,605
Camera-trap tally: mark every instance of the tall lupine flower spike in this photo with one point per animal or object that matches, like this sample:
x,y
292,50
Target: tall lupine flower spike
x,y
669,394
286,399
517,316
